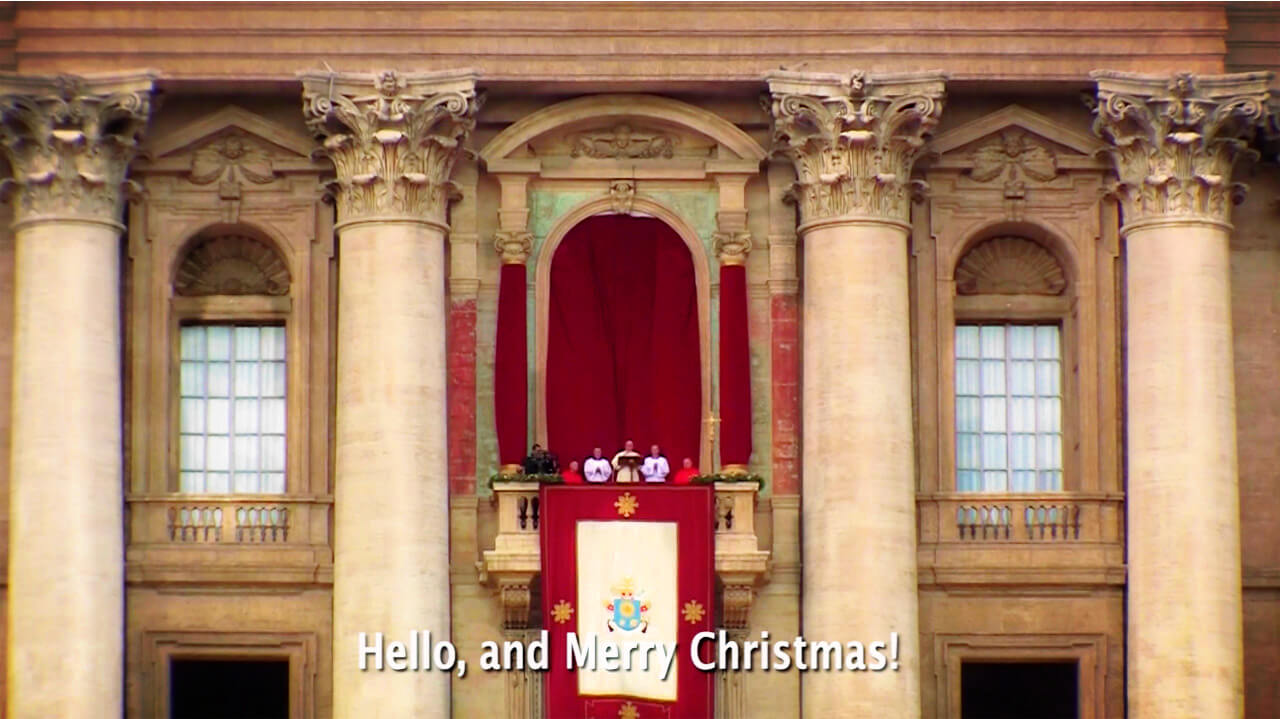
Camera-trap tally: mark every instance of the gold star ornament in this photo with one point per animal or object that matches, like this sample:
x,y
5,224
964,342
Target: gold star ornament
x,y
628,711
693,611
627,504
561,612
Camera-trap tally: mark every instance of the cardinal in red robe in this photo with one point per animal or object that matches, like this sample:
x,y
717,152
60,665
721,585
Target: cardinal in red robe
x,y
686,473
572,475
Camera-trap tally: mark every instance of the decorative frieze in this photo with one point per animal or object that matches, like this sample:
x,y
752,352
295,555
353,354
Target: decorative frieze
x,y
1175,139
393,138
622,143
853,139
70,140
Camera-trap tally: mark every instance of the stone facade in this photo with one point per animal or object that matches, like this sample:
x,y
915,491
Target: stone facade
x,y
352,180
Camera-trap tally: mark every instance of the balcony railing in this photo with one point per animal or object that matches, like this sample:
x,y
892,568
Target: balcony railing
x,y
1049,537
280,537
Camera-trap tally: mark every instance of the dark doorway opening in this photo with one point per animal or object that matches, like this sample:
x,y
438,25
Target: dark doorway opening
x,y
229,689
1031,690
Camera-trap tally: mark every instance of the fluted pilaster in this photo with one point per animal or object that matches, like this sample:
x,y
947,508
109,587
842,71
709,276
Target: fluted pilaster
x,y
853,141
394,140
1174,141
69,141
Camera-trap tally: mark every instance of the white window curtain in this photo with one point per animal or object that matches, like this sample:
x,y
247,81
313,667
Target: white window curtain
x,y
1008,408
232,417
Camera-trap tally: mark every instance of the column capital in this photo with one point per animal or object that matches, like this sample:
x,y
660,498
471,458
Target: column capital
x,y
513,245
853,138
69,140
1174,140
732,246
393,138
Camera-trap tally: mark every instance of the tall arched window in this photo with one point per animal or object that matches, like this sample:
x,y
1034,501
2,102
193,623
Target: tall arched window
x,y
1012,306
231,292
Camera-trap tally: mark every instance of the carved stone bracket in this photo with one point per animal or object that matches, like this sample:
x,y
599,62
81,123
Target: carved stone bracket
x,y
622,195
393,138
853,139
1175,139
513,245
70,140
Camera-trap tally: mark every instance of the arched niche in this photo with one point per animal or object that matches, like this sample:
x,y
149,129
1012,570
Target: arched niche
x,y
1023,246
644,206
230,259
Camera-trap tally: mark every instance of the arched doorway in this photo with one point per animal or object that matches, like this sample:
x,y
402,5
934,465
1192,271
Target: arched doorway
x,y
623,343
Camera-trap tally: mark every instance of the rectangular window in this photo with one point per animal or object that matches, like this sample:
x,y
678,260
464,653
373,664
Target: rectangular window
x,y
1008,408
232,415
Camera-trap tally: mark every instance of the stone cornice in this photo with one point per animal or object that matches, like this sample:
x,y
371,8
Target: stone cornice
x,y
1174,139
853,138
69,140
393,138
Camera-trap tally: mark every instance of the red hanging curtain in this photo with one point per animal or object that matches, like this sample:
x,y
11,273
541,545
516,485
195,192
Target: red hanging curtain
x,y
735,368
623,358
510,373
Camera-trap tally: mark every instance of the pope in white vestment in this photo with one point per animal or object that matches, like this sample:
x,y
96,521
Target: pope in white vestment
x,y
655,467
627,471
597,469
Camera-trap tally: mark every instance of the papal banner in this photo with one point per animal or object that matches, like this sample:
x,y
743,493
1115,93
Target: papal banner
x,y
627,581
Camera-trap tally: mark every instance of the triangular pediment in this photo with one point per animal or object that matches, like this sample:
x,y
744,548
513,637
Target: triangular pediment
x,y
276,139
1022,125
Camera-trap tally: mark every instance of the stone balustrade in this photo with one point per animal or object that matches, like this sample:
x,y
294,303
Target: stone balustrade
x,y
268,532
1051,535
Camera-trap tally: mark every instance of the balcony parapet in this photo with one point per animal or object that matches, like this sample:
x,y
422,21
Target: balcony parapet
x,y
516,557
240,537
1041,538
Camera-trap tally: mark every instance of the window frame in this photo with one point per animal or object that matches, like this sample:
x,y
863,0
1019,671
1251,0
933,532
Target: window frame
x,y
1020,310
231,310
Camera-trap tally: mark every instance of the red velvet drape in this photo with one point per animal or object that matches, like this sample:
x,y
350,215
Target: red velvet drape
x,y
735,368
510,373
623,355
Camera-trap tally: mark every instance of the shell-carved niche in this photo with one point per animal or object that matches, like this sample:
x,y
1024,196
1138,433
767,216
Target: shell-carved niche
x,y
1009,266
231,264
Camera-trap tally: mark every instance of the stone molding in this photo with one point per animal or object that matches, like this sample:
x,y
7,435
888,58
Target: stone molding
x,y
69,140
853,139
393,138
1174,140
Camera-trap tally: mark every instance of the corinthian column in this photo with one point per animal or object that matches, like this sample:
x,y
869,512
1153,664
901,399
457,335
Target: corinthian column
x,y
393,140
1174,141
69,141
853,141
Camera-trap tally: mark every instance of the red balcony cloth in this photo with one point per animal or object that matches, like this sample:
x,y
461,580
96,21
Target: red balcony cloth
x,y
735,367
510,371
623,354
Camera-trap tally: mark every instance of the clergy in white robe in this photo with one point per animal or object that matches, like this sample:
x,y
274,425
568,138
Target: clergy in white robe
x,y
597,469
655,467
626,464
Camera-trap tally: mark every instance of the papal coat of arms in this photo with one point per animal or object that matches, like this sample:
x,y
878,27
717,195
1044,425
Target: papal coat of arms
x,y
629,609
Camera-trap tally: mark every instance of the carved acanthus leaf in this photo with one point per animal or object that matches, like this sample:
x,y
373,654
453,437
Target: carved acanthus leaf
x,y
231,265
513,245
70,141
1175,140
1009,266
622,143
853,140
393,139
